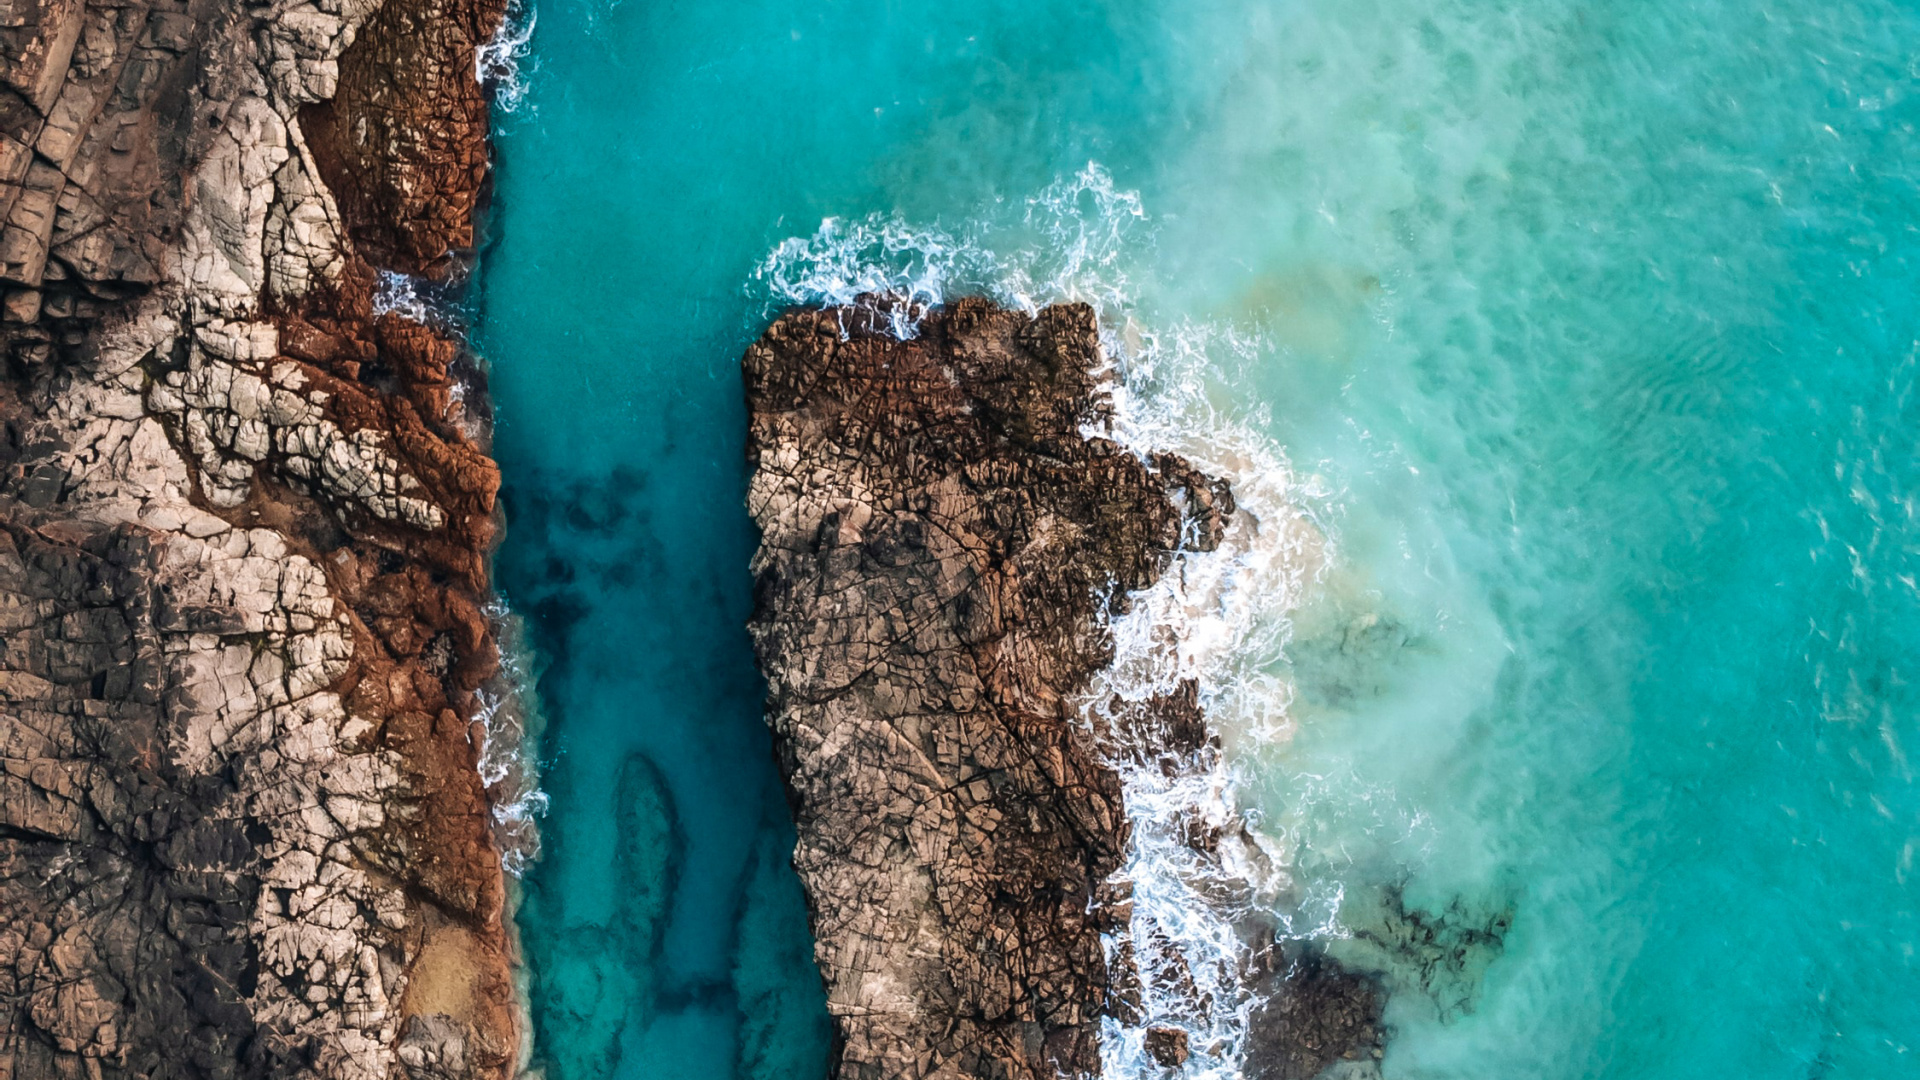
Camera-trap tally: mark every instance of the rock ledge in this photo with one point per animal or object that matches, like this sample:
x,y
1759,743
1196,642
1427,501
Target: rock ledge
x,y
937,534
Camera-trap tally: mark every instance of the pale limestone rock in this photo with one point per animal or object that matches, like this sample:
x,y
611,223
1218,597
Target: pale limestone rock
x,y
216,649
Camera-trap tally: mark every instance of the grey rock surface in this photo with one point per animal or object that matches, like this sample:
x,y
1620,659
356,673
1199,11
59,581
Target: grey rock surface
x,y
241,830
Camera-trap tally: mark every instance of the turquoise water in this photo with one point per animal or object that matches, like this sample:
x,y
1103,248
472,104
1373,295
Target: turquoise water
x,y
1577,341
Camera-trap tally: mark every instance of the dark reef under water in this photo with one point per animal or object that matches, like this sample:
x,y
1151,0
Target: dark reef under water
x,y
631,942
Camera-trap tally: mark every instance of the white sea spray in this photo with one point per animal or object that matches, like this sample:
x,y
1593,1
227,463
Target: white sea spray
x,y
395,293
1056,251
1219,618
879,255
499,63
509,721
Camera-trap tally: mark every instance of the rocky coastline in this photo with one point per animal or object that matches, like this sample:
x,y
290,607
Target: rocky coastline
x,y
245,518
942,524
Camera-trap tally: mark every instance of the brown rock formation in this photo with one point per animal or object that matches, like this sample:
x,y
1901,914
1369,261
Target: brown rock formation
x,y
1167,1046
936,536
1312,1016
938,530
243,533
403,142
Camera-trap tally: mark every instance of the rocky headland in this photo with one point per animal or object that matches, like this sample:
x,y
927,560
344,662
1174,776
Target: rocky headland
x,y
244,524
942,523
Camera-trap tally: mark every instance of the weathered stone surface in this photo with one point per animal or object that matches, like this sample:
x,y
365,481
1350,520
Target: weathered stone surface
x,y
403,142
243,529
942,520
1167,1045
937,532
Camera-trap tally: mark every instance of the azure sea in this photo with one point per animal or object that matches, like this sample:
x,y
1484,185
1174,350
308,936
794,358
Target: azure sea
x,y
1583,333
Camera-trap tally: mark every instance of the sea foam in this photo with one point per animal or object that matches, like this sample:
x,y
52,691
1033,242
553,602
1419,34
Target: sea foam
x,y
497,64
510,724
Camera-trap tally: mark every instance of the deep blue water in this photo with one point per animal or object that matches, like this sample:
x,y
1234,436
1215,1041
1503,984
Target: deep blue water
x,y
1579,338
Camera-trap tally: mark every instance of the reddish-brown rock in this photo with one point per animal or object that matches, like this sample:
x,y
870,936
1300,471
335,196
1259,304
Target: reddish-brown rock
x,y
403,141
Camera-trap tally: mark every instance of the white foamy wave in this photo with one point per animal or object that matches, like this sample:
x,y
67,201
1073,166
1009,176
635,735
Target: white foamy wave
x,y
498,63
1066,245
509,722
1086,229
845,260
1218,618
399,294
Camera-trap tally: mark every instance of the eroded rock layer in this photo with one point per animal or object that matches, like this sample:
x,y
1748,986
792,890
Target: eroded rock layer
x,y
937,537
243,532
942,521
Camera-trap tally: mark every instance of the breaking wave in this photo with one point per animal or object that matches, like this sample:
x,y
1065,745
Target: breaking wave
x,y
497,64
1070,243
510,724
1219,619
395,293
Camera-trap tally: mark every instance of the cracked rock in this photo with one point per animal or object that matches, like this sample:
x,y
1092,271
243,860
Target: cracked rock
x,y
243,530
936,535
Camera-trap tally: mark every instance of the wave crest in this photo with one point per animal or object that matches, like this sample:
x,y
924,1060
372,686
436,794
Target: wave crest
x,y
1067,245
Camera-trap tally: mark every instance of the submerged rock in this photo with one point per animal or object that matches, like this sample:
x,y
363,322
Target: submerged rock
x,y
1311,1016
243,530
